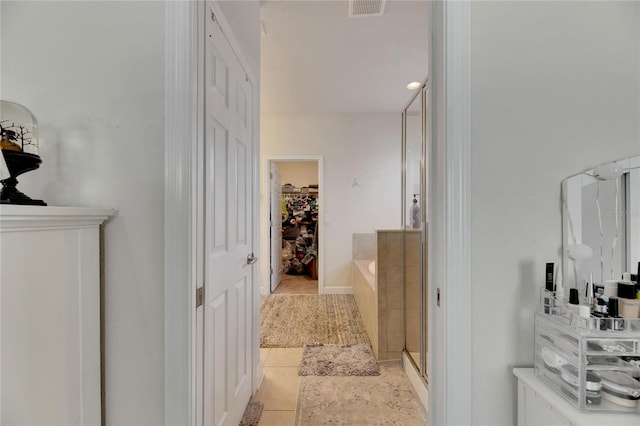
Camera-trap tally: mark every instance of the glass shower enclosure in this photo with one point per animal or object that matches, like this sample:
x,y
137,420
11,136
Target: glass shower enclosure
x,y
415,227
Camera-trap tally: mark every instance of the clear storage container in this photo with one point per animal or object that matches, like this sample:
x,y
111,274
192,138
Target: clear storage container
x,y
593,363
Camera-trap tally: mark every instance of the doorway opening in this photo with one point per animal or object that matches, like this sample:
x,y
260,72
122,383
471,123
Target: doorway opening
x,y
293,219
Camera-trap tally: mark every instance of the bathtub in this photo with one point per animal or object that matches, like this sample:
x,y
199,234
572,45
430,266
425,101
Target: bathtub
x,y
366,267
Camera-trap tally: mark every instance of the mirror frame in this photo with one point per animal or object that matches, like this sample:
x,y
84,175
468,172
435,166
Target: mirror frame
x,y
571,199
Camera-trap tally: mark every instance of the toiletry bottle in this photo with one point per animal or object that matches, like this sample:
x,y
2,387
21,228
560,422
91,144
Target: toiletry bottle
x,y
586,308
626,287
600,311
573,307
628,304
601,306
615,322
549,291
560,302
590,293
599,290
611,288
638,282
585,317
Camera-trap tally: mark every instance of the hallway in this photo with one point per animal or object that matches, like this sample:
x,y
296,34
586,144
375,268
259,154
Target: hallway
x,y
290,399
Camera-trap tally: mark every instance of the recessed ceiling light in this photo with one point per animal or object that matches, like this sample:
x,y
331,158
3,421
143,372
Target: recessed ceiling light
x,y
414,85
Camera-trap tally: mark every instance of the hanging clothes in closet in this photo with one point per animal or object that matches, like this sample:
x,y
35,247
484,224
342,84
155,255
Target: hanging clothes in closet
x,y
299,232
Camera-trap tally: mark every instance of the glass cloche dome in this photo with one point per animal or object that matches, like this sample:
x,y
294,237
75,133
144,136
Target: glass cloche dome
x,y
18,128
19,151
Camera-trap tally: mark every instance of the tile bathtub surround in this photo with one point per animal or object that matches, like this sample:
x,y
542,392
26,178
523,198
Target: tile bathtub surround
x,y
366,299
413,282
382,305
390,256
364,284
364,246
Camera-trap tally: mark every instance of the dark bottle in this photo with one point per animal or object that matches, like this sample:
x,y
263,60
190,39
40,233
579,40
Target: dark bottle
x,y
615,322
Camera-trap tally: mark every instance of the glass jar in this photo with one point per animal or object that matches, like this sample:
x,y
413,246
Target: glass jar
x,y
18,129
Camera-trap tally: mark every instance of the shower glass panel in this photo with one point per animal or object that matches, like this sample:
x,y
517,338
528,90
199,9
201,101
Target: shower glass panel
x,y
414,227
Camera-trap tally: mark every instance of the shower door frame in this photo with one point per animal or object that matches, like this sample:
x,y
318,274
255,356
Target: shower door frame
x,y
423,93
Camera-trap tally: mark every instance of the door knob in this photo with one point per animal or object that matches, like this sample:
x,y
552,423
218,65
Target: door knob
x,y
251,259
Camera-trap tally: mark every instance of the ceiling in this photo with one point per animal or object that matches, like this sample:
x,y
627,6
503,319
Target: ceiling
x,y
314,58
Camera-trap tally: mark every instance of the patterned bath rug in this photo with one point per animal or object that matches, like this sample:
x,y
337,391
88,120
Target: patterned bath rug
x,y
252,413
338,360
387,399
291,321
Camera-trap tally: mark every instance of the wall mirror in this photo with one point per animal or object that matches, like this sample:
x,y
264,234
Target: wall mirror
x,y
601,210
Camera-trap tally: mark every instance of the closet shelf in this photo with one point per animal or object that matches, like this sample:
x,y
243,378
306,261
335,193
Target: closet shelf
x,y
299,191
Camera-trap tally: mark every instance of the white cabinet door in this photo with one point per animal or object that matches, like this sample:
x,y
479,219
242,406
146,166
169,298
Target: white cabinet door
x,y
228,294
534,410
50,315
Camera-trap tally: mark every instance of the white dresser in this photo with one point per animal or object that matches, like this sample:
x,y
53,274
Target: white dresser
x,y
539,405
50,315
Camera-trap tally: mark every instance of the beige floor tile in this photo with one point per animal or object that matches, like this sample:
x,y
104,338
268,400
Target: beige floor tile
x,y
264,354
297,284
277,418
279,389
284,357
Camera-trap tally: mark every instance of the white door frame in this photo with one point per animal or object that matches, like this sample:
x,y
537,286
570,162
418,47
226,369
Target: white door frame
x,y
275,228
450,399
450,332
184,59
264,219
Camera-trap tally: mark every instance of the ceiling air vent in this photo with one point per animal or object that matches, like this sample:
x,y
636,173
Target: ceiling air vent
x,y
366,7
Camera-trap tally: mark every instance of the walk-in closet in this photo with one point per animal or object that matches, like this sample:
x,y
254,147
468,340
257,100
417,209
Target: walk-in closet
x,y
295,202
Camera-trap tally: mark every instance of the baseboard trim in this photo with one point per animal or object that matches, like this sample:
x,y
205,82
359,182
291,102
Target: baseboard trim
x,y
338,290
259,375
416,381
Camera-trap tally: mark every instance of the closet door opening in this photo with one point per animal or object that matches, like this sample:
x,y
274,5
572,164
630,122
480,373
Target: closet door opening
x,y
294,223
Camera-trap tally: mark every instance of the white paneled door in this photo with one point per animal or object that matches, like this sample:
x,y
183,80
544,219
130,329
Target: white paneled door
x,y
228,293
275,228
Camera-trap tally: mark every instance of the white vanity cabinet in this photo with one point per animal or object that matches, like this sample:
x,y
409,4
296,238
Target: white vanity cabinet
x,y
539,405
50,315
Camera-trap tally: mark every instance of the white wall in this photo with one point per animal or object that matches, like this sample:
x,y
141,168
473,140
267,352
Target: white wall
x,y
365,147
93,74
554,91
